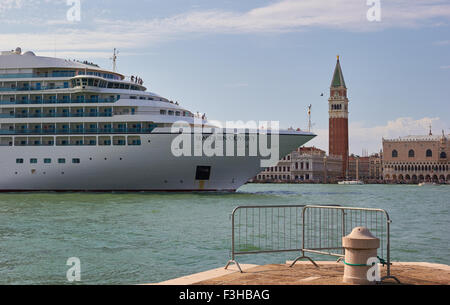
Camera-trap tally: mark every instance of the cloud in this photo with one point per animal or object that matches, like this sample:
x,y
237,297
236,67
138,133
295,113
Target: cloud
x,y
279,17
445,67
442,42
370,138
6,5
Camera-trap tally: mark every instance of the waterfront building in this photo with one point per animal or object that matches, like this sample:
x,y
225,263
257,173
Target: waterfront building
x,y
313,165
358,167
414,159
279,173
376,167
338,118
306,164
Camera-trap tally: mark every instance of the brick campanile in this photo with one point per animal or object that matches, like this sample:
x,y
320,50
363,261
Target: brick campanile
x,y
338,122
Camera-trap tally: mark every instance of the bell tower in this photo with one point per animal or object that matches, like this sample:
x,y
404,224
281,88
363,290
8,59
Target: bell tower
x,y
338,118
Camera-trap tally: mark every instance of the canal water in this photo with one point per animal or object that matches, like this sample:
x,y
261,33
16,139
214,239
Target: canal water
x,y
145,237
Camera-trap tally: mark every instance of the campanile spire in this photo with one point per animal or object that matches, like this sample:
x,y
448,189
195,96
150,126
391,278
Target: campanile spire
x,y
338,117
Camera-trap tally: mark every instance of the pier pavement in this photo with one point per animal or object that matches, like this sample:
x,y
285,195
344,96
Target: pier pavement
x,y
304,273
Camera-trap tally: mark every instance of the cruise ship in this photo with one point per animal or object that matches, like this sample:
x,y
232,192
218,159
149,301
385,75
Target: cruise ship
x,y
67,125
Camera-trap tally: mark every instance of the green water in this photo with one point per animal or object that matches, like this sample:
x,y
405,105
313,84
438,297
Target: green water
x,y
143,237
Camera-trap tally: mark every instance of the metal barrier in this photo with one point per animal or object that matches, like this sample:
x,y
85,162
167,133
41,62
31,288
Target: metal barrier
x,y
269,229
265,229
324,226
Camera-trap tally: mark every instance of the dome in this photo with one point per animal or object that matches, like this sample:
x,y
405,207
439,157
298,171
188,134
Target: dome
x,y
29,53
18,51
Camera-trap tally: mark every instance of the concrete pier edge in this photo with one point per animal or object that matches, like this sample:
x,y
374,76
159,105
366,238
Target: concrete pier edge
x,y
221,272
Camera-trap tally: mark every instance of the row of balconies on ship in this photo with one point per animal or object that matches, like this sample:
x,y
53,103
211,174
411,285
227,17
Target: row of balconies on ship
x,y
66,99
76,131
63,114
72,141
52,100
30,88
68,112
38,75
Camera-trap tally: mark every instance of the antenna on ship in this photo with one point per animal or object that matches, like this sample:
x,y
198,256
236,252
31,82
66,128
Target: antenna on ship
x,y
309,118
114,59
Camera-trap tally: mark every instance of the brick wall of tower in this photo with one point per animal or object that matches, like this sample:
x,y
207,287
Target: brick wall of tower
x,y
338,140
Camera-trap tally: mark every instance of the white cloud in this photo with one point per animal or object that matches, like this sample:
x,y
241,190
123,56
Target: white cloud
x,y
442,42
6,5
281,16
370,138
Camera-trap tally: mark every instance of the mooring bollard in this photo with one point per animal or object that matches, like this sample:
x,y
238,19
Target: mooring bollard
x,y
359,245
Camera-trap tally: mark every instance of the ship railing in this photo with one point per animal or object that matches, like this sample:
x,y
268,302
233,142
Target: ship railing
x,y
56,115
34,88
313,229
33,75
40,102
40,131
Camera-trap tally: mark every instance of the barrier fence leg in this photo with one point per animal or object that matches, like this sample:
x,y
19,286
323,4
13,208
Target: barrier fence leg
x,y
390,277
301,257
236,263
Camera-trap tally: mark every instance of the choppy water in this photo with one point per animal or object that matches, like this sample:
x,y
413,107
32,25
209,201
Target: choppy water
x,y
143,237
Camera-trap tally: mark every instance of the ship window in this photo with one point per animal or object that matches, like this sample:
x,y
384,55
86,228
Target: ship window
x,y
76,161
19,161
162,112
62,161
47,161
170,112
33,161
203,173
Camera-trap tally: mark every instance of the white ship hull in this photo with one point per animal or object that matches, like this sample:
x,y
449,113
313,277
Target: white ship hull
x,y
148,167
71,126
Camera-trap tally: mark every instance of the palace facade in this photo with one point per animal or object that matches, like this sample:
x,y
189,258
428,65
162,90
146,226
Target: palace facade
x,y
415,159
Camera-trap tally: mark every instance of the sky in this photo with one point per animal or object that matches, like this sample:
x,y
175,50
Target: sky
x,y
262,60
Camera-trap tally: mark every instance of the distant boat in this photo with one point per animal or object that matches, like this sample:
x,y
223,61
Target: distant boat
x,y
351,182
427,184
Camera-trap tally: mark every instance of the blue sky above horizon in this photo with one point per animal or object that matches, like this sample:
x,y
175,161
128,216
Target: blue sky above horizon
x,y
260,59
